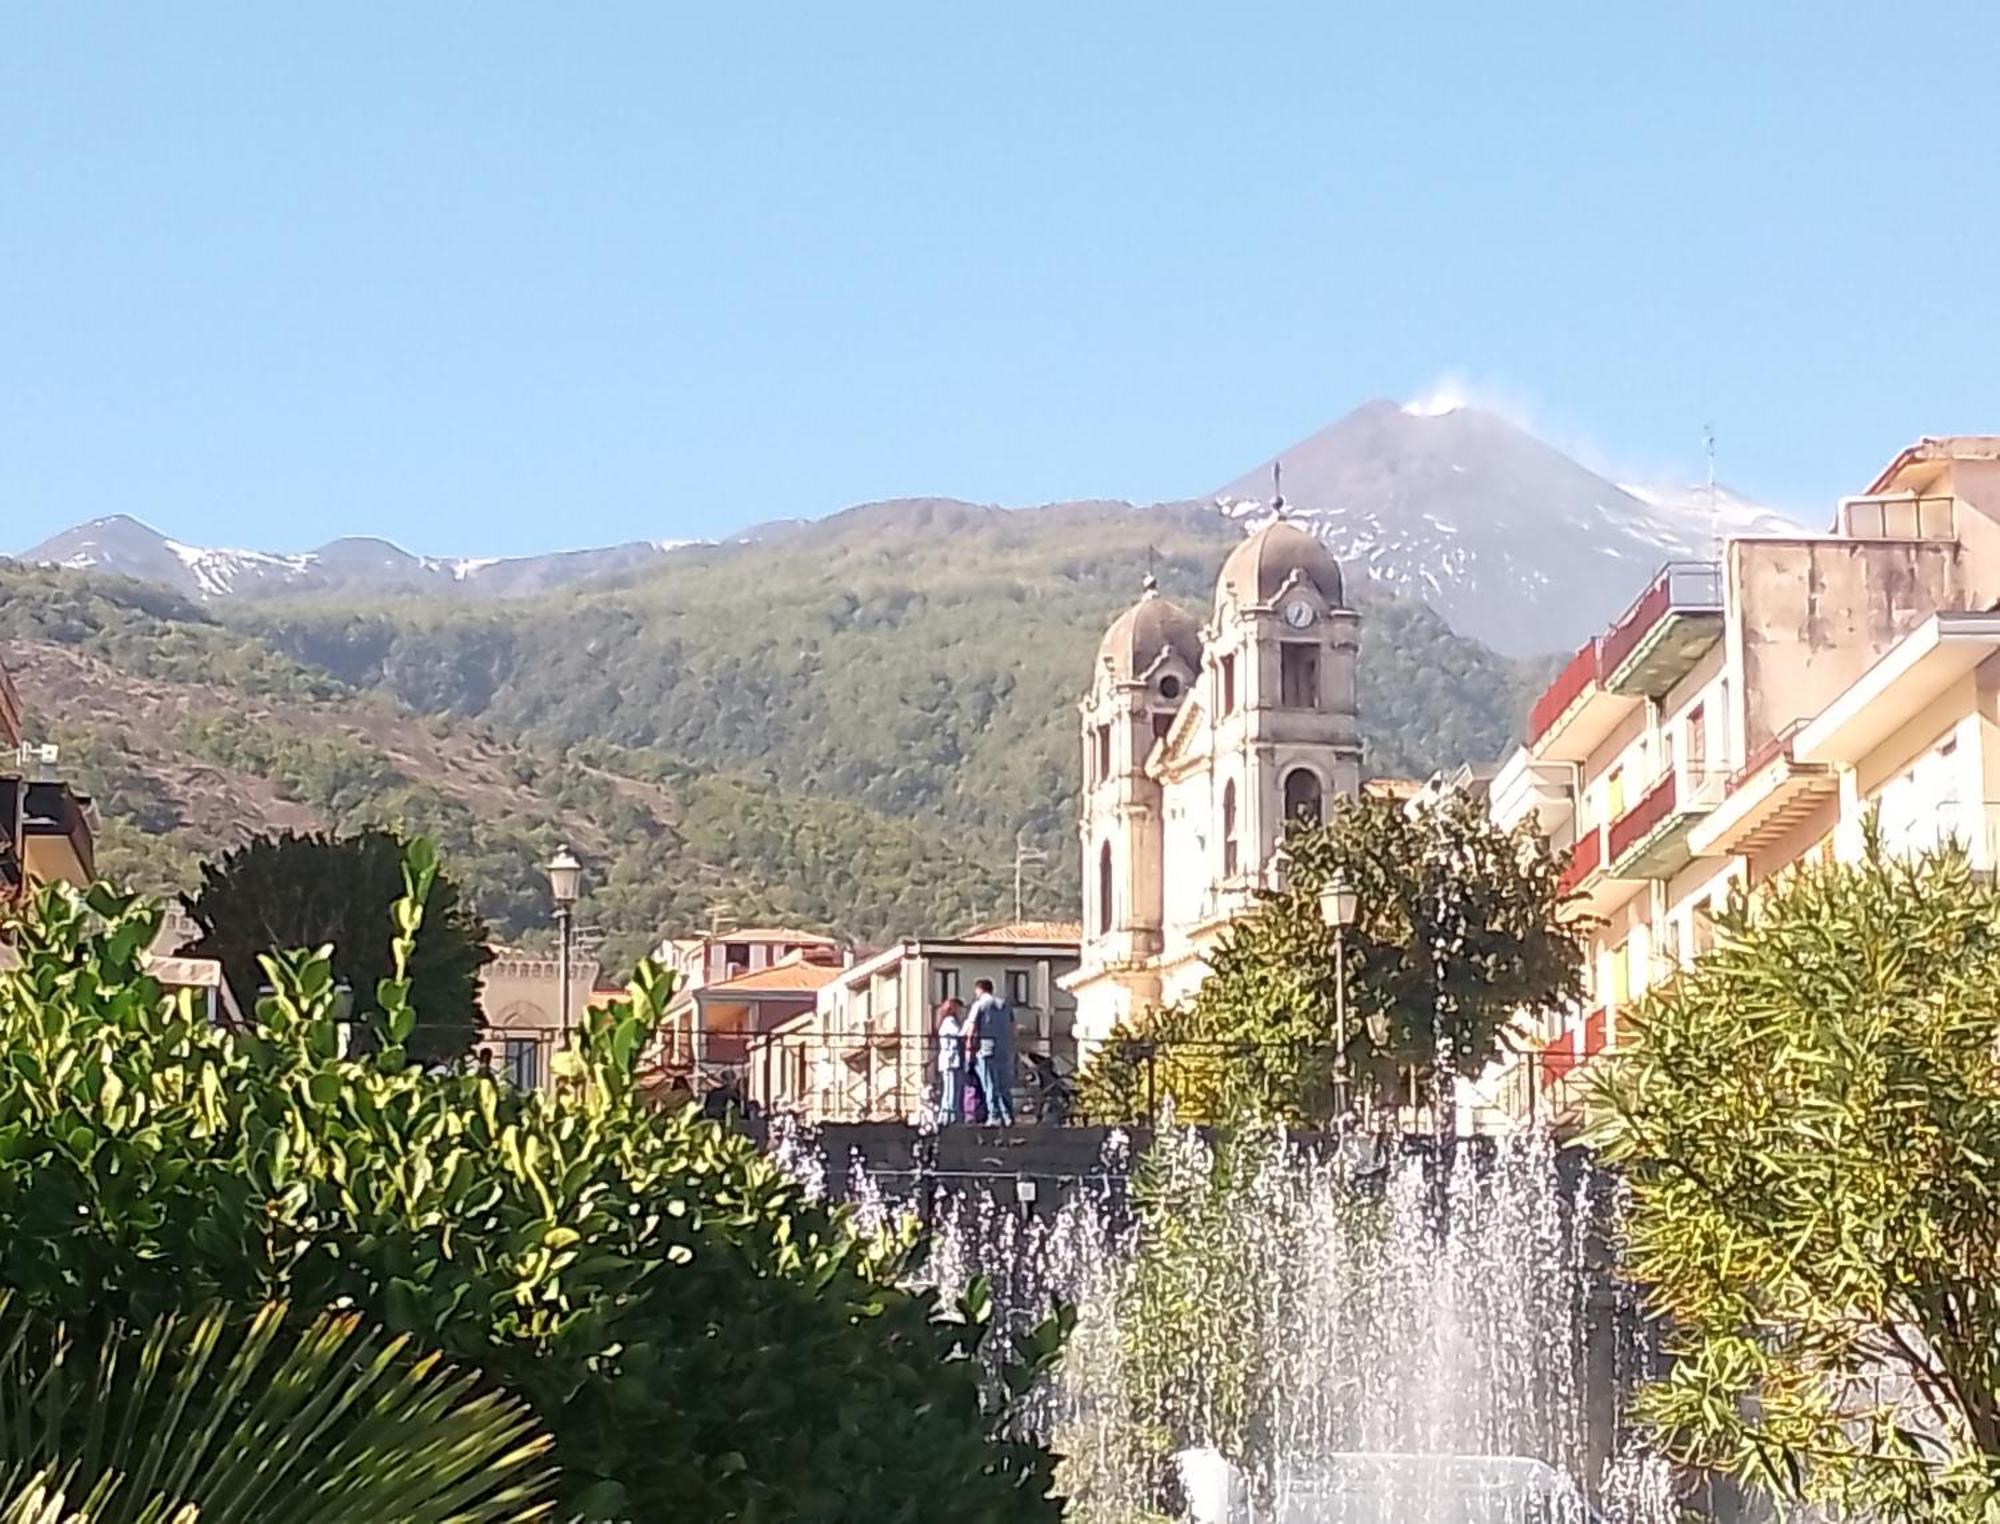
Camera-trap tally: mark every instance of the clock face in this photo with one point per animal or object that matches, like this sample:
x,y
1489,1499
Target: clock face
x,y
1298,614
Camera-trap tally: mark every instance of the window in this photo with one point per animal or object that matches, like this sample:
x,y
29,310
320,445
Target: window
x,y
524,1063
1697,742
1303,796
1162,723
1616,988
1614,794
1019,993
1227,667
1229,829
947,984
1170,687
1104,916
1103,752
1298,675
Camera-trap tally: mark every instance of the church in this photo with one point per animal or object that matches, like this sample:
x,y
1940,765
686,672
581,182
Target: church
x,y
1201,742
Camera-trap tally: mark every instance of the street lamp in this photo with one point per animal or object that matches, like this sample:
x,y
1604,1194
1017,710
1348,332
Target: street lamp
x,y
1337,906
565,882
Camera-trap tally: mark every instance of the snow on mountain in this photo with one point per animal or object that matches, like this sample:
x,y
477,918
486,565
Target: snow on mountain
x,y
123,546
1507,537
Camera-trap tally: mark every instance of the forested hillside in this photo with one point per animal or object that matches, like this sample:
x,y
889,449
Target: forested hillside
x,y
846,724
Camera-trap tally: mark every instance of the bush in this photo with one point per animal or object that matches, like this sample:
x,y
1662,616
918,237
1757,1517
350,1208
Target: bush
x,y
701,1341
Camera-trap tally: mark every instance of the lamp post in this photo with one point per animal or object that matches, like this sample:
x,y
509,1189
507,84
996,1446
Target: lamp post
x,y
1337,905
565,880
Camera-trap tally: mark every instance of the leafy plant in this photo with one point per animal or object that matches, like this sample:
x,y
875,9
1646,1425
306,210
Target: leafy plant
x,y
217,1419
1460,932
701,1342
1809,1118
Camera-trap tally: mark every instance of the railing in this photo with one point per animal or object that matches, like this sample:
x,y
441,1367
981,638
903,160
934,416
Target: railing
x,y
1569,683
1585,858
1899,516
1680,587
1636,823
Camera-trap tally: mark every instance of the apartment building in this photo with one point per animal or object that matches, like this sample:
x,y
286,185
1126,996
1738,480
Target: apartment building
x,y
47,830
1743,715
867,1049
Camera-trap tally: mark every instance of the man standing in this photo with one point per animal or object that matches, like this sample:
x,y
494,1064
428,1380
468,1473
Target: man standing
x,y
951,1062
992,1021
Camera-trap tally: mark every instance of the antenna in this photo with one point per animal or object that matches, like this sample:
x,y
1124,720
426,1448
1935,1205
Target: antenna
x,y
1023,855
1278,488
1714,513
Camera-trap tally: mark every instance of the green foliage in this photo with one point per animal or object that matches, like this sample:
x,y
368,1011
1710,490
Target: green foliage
x,y
210,1419
843,726
701,1342
278,892
1810,1121
1460,931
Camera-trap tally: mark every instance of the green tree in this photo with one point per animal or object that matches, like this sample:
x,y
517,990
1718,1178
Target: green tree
x,y
210,1419
292,890
1809,1119
701,1342
1460,931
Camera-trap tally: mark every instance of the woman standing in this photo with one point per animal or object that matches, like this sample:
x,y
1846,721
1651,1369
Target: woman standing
x,y
951,1062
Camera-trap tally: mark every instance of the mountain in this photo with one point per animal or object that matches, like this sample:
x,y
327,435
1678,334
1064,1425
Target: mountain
x,y
1512,541
848,723
122,546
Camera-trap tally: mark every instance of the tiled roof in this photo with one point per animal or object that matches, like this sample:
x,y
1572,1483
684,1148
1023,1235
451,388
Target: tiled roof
x,y
1018,932
793,976
1391,788
771,934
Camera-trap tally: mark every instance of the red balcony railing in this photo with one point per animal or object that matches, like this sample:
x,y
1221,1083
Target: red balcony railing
x,y
1585,858
1634,825
1575,1046
1578,675
1681,587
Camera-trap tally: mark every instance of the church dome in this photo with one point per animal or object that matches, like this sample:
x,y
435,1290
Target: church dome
x,y
1262,564
1152,625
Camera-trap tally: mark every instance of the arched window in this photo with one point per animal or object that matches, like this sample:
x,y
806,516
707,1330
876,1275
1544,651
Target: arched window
x,y
1229,829
1104,905
1304,799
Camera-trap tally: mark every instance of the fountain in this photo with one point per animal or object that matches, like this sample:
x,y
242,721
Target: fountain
x,y
1287,1332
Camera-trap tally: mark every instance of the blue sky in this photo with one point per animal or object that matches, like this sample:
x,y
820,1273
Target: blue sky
x,y
490,279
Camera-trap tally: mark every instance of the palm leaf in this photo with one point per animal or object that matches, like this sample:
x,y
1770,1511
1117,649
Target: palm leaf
x,y
210,1419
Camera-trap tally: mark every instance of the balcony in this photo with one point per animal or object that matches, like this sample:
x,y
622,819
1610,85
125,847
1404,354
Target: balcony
x,y
1586,859
1650,840
1768,800
1667,630
1576,712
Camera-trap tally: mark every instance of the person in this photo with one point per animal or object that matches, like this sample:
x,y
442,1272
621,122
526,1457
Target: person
x,y
993,1054
951,1061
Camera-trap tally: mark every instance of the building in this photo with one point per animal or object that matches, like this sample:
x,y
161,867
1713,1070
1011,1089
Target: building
x,y
867,1050
521,1006
725,1029
47,830
696,961
1201,743
1745,715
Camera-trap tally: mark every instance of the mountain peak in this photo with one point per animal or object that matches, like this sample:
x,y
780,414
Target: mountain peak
x,y
1513,541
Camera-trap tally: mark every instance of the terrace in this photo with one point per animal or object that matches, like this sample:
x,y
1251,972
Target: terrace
x,y
1668,629
1650,840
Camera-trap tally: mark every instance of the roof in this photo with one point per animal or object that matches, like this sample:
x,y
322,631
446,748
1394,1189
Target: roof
x,y
793,976
1031,933
1152,626
1936,447
1258,569
1391,788
764,934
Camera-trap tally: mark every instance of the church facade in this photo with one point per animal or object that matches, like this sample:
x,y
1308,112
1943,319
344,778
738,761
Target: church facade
x,y
1201,743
